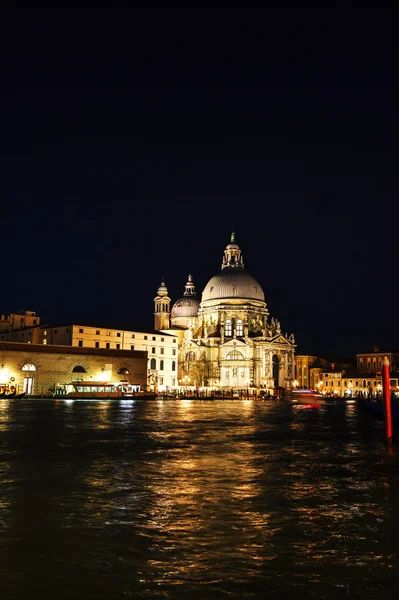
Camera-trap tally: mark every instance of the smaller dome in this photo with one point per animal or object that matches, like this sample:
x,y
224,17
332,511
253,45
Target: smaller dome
x,y
162,290
187,306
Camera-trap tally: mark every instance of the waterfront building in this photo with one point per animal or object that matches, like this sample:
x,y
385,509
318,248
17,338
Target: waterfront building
x,y
227,340
14,322
161,346
309,369
371,362
40,369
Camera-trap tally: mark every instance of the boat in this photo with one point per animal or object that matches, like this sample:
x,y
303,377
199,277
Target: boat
x,y
105,390
307,397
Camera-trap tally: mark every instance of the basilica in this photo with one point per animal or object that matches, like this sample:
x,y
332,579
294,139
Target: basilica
x,y
227,340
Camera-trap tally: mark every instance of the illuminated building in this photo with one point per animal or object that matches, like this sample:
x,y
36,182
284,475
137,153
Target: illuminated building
x,y
309,369
227,340
161,346
15,322
39,369
345,376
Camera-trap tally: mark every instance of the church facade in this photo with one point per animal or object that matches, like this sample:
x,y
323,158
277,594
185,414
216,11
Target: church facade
x,y
227,341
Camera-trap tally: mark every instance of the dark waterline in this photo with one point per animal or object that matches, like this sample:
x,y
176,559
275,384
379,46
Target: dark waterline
x,y
195,499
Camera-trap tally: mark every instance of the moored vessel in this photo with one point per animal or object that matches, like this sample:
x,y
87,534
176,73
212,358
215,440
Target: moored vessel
x,y
106,390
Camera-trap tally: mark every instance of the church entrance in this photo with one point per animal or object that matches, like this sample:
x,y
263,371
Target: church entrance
x,y
275,370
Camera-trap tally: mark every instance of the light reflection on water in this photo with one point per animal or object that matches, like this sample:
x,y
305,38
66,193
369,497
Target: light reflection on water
x,y
195,499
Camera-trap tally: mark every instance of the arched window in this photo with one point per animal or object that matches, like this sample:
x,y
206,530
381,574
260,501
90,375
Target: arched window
x,y
123,371
240,332
153,364
173,365
191,356
234,355
28,367
78,369
161,365
227,328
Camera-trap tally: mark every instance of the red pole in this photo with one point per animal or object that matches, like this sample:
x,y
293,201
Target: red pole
x,y
386,394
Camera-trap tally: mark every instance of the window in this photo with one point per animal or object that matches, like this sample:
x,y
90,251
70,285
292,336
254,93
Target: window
x,y
161,365
368,364
107,345
191,356
153,338
174,341
174,351
28,367
80,331
145,337
123,371
161,381
162,339
80,343
133,335
153,350
97,344
234,355
173,365
118,346
118,334
153,364
78,369
34,321
240,332
173,381
162,350
108,333
97,332
131,347
227,328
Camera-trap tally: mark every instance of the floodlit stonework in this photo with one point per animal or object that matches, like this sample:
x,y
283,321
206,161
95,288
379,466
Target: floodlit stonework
x,y
228,340
40,369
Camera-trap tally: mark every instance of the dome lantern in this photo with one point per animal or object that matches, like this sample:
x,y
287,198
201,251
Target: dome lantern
x,y
233,281
232,255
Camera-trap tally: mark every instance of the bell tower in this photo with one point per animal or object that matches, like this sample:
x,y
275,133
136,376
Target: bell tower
x,y
162,308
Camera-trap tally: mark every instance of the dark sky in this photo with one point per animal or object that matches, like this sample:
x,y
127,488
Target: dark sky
x,y
134,141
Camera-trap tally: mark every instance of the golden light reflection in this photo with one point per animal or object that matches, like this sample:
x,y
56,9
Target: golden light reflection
x,y
5,408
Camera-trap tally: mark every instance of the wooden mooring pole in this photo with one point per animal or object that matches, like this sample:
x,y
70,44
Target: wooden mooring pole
x,y
386,399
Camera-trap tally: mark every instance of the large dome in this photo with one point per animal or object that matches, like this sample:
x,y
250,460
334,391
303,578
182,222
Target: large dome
x,y
233,283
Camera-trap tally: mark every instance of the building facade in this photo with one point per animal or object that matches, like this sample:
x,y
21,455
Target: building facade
x,y
160,346
227,340
14,322
40,369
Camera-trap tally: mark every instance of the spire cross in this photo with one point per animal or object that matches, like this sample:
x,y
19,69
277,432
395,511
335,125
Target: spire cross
x,y
233,235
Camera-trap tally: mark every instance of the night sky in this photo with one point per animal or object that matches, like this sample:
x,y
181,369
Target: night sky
x,y
133,143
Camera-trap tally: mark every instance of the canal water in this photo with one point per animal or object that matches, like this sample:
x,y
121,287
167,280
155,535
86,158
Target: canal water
x,y
196,500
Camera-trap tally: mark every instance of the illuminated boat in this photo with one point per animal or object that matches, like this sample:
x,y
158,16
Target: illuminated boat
x,y
95,390
307,397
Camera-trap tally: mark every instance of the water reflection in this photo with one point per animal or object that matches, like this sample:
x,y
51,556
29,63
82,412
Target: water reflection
x,y
195,499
